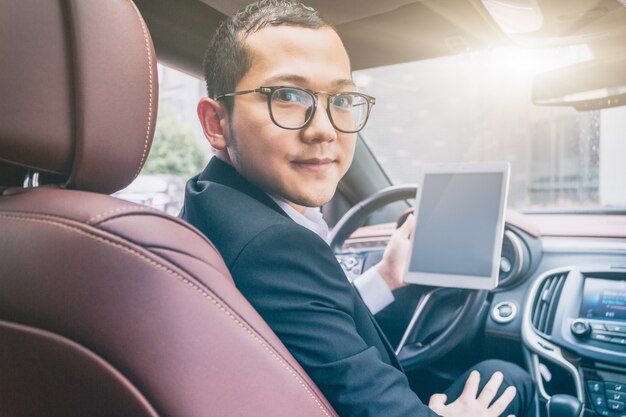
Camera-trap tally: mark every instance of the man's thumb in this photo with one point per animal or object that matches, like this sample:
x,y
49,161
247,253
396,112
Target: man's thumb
x,y
407,226
437,402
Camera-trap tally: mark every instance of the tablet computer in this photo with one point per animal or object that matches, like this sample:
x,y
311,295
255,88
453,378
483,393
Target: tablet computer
x,y
459,213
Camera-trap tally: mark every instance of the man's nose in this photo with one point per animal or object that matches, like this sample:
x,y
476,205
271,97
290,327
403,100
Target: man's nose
x,y
320,128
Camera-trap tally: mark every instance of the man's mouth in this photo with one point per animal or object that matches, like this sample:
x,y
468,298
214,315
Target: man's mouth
x,y
314,164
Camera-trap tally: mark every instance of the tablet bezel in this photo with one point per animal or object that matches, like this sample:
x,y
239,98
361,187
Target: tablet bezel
x,y
454,280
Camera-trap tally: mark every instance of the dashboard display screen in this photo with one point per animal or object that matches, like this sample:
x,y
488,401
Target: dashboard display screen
x,y
604,299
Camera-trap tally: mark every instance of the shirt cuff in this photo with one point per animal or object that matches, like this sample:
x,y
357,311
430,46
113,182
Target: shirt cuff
x,y
373,290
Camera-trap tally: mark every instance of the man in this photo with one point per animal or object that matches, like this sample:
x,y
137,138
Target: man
x,y
282,115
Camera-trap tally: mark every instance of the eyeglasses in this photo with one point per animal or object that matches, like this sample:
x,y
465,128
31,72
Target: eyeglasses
x,y
293,107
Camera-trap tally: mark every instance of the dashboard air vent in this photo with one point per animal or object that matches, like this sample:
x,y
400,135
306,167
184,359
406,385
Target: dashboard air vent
x,y
546,301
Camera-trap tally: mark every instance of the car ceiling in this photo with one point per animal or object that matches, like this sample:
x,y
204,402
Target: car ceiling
x,y
335,12
378,33
375,33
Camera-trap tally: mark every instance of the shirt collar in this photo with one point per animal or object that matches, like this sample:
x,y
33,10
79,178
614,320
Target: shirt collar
x,y
311,219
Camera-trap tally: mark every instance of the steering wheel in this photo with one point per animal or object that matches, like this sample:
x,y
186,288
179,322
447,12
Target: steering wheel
x,y
414,350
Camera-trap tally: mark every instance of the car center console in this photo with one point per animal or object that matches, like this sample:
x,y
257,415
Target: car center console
x,y
575,317
603,312
606,397
603,321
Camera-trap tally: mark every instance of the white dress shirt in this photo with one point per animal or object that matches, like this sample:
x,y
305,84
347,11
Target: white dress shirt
x,y
370,285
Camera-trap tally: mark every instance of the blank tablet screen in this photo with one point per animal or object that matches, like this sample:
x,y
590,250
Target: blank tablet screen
x,y
459,215
460,222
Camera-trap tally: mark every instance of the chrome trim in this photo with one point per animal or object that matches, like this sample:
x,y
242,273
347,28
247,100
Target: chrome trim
x,y
537,374
519,257
543,347
31,180
503,320
418,311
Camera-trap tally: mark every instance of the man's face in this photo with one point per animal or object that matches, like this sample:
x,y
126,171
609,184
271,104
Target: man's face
x,y
302,166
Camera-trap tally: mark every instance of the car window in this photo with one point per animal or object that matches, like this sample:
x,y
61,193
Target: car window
x,y
477,107
179,149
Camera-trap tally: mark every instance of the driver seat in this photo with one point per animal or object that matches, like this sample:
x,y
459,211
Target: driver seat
x,y
108,308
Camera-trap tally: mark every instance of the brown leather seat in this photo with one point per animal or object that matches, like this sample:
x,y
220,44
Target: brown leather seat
x,y
109,308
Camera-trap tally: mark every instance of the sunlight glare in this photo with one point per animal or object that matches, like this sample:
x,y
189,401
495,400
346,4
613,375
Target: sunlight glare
x,y
527,61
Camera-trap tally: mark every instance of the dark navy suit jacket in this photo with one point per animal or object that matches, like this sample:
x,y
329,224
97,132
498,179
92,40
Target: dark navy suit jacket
x,y
292,278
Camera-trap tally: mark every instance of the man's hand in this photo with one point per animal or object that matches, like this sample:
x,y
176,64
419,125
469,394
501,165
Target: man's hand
x,y
396,255
472,404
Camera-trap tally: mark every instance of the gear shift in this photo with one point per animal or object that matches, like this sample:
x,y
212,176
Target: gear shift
x,y
561,405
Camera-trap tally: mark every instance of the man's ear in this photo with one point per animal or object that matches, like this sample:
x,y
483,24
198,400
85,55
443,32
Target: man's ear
x,y
213,118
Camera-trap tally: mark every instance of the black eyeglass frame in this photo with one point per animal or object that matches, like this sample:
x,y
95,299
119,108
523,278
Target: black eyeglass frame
x,y
269,91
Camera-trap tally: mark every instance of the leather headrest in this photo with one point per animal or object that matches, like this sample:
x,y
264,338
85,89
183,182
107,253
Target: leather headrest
x,y
78,92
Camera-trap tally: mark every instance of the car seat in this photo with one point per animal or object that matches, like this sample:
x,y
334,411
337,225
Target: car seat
x,y
108,308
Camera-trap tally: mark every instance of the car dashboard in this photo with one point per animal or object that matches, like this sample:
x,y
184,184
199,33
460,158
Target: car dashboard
x,y
561,297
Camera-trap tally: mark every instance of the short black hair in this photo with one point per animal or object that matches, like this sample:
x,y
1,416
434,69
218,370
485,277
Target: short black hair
x,y
227,59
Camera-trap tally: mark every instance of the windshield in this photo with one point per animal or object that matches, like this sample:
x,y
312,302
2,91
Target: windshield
x,y
477,107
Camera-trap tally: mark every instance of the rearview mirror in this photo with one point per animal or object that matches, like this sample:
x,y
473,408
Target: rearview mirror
x,y
591,85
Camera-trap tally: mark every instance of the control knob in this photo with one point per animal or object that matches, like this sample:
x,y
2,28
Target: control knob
x,y
580,328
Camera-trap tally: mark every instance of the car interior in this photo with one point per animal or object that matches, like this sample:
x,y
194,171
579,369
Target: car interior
x,y
110,307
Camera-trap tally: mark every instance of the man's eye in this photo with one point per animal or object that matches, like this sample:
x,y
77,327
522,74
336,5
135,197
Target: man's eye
x,y
289,96
343,101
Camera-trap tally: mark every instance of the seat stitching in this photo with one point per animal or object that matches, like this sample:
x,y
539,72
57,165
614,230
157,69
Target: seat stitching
x,y
119,209
186,281
147,41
